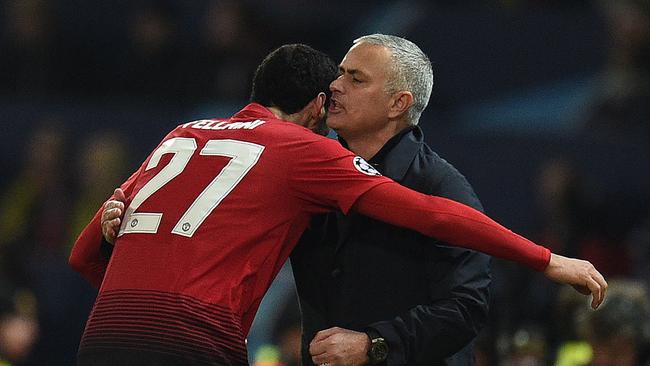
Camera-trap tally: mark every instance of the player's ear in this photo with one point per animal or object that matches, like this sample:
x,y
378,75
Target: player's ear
x,y
319,105
315,111
400,103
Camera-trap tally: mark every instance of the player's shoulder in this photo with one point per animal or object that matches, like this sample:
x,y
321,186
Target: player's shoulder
x,y
291,134
285,128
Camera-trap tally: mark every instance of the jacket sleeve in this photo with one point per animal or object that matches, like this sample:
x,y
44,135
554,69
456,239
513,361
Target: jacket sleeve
x,y
459,281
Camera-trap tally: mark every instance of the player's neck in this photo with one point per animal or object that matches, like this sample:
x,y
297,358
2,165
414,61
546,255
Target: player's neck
x,y
279,114
300,118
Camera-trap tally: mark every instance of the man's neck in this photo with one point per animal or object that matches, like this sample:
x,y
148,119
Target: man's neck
x,y
364,149
367,145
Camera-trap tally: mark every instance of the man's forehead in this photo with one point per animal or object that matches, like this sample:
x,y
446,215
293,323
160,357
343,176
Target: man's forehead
x,y
363,57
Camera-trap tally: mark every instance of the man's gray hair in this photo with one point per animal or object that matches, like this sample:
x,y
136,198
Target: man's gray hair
x,y
411,71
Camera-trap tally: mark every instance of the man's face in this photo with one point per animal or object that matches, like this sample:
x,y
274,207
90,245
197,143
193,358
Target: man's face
x,y
359,104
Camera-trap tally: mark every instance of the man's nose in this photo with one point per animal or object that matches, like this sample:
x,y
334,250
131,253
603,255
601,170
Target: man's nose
x,y
335,85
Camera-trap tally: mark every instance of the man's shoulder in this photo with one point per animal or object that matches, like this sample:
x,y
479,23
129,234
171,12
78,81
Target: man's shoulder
x,y
433,166
429,161
441,178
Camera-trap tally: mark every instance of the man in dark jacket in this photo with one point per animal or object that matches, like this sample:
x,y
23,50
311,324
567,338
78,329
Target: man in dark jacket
x,y
394,298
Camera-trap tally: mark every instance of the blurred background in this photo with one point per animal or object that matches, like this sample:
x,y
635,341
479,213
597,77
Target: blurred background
x,y
544,105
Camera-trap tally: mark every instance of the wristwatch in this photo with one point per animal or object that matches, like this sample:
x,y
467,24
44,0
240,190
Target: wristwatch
x,y
378,350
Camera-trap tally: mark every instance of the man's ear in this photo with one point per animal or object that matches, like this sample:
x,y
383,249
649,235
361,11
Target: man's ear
x,y
400,104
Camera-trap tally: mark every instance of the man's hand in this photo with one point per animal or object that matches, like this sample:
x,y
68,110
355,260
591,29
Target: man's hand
x,y
339,347
580,274
112,215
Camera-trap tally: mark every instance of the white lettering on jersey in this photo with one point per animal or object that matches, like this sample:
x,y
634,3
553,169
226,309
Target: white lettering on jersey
x,y
201,123
208,124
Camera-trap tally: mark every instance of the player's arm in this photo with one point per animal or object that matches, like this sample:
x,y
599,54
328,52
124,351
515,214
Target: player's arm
x,y
324,164
460,225
91,252
86,256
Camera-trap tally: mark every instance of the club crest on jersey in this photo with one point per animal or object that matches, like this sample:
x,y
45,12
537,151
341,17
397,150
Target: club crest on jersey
x,y
364,167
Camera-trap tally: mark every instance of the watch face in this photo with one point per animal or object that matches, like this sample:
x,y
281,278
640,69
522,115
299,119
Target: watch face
x,y
379,349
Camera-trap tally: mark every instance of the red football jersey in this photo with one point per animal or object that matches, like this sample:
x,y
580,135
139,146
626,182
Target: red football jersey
x,y
211,217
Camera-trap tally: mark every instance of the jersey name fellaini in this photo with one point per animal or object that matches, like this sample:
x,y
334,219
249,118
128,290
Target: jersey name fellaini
x,y
211,124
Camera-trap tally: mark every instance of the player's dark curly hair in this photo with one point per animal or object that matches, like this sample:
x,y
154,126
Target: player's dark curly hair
x,y
291,76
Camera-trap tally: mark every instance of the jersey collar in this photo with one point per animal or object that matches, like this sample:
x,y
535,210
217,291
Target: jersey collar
x,y
254,111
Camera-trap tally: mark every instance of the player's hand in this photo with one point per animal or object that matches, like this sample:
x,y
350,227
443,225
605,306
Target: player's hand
x,y
339,347
581,274
112,215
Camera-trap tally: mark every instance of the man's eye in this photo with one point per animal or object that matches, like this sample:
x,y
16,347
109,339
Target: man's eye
x,y
355,80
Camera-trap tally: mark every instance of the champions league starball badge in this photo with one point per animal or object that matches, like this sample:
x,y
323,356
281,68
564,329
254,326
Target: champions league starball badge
x,y
364,167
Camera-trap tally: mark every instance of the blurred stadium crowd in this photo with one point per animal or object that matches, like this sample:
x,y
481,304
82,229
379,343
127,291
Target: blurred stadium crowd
x,y
544,106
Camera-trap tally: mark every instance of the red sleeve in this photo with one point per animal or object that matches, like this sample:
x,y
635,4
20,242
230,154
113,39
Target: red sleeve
x,y
86,256
451,222
327,175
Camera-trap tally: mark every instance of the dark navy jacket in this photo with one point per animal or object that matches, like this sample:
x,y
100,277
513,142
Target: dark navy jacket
x,y
429,301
